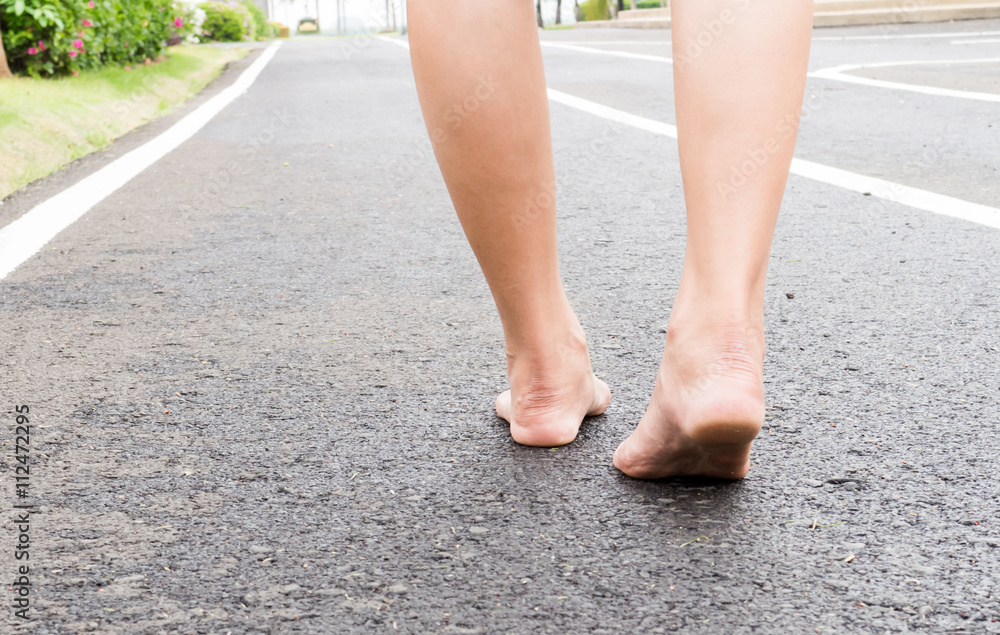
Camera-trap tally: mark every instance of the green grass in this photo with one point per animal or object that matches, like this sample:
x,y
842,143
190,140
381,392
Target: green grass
x,y
47,123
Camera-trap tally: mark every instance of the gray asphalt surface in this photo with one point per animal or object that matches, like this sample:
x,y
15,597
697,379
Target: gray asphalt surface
x,y
262,375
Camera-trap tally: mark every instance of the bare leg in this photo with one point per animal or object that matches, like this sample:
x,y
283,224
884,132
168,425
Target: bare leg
x,y
478,68
739,77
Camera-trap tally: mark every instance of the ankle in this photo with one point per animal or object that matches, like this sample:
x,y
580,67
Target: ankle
x,y
556,337
553,350
723,300
713,346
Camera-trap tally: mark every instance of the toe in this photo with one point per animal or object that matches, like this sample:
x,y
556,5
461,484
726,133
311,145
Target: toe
x,y
504,409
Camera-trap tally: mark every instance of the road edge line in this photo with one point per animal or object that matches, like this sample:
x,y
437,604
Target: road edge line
x,y
28,234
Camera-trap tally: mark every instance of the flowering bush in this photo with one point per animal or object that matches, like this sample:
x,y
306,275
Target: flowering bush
x,y
186,24
259,19
45,37
227,22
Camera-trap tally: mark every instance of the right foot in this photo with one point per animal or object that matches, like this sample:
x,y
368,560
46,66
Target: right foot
x,y
551,391
706,409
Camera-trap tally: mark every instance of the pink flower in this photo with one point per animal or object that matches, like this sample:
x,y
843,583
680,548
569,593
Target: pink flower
x,y
91,4
76,73
178,22
88,23
41,45
128,68
73,53
78,44
32,50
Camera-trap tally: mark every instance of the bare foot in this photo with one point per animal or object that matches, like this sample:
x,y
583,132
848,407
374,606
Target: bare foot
x,y
551,392
706,409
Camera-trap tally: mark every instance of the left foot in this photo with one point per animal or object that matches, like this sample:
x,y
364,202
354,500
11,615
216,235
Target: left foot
x,y
551,391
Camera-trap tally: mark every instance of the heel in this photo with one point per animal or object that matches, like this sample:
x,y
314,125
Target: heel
x,y
725,434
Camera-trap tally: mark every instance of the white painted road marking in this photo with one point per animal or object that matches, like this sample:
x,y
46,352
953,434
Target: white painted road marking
x,y
592,42
831,38
990,41
838,73
613,114
907,36
878,188
23,238
587,49
395,40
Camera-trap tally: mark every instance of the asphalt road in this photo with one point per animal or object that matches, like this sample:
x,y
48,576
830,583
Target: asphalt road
x,y
261,374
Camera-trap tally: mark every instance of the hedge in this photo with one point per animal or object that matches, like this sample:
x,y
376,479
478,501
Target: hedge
x,y
54,37
227,22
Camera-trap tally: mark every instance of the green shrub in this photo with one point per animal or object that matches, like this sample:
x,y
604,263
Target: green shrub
x,y
227,22
595,10
48,37
259,19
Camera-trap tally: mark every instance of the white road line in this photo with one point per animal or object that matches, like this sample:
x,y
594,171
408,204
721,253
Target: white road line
x,y
837,73
23,238
908,36
851,67
395,40
613,114
878,188
991,41
898,193
606,41
836,38
586,49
